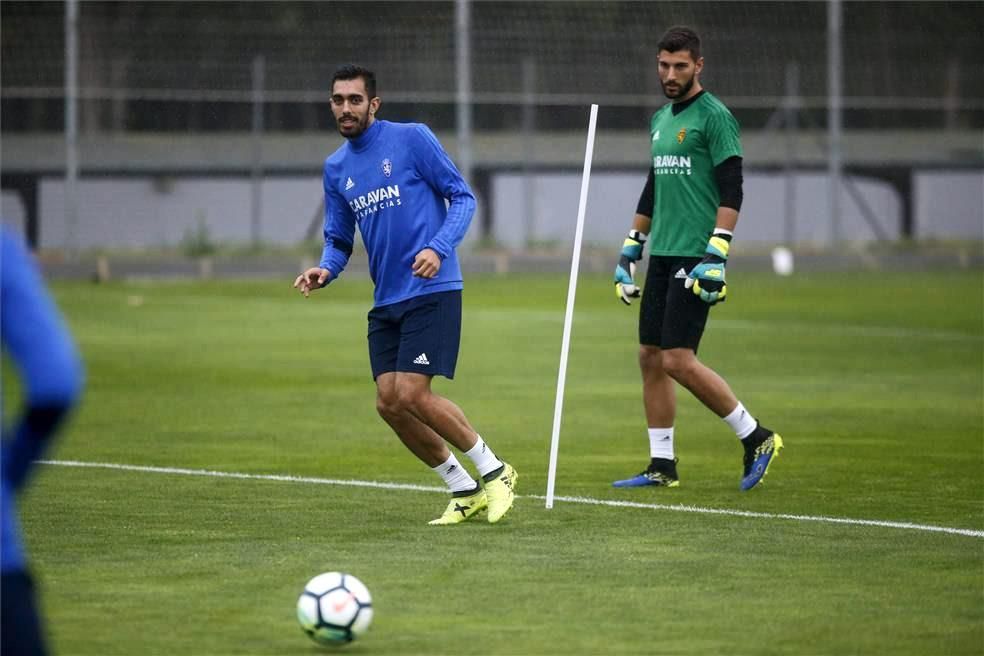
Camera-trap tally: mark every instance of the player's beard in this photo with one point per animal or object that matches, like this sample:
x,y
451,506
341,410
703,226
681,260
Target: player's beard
x,y
682,89
353,131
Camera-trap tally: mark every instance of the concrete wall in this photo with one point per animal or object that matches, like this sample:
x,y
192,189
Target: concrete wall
x,y
949,204
612,200
161,212
12,212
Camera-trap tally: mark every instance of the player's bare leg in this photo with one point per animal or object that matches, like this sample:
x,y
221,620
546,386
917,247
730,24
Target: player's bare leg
x,y
682,365
423,421
761,444
447,419
468,498
660,368
659,400
658,389
417,436
442,415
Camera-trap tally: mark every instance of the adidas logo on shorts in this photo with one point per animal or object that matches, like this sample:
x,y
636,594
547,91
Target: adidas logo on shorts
x,y
421,359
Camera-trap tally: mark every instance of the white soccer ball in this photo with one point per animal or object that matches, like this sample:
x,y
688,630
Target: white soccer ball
x,y
335,608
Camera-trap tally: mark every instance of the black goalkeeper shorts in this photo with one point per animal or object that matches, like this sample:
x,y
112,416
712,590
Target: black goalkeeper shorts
x,y
671,316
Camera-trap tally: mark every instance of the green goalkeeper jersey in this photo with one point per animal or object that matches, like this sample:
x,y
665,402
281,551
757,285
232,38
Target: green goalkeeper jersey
x,y
686,148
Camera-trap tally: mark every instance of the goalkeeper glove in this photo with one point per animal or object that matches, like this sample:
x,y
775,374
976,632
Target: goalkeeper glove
x,y
625,287
707,278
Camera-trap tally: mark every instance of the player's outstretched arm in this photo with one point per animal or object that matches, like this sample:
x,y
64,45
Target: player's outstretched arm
x,y
34,335
313,278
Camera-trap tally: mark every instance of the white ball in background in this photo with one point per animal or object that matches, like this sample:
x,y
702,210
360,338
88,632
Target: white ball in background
x,y
782,261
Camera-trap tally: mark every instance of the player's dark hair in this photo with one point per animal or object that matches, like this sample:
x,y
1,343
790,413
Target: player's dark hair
x,y
680,37
354,71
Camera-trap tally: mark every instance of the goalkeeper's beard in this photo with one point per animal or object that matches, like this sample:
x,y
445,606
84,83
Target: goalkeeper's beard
x,y
682,90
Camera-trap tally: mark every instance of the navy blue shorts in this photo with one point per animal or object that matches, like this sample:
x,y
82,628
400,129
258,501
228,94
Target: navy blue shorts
x,y
420,335
670,315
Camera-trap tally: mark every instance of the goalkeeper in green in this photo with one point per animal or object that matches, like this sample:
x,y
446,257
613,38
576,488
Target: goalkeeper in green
x,y
687,212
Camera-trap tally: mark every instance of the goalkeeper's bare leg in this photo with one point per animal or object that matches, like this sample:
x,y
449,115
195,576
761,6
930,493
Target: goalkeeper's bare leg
x,y
760,444
660,368
659,400
682,365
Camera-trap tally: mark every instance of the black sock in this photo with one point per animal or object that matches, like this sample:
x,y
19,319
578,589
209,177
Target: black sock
x,y
759,435
664,465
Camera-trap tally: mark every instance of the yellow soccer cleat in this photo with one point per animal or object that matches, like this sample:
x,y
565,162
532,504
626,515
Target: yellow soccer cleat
x,y
501,491
463,506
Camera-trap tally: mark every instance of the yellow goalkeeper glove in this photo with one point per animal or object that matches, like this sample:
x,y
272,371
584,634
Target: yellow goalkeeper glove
x,y
625,287
707,279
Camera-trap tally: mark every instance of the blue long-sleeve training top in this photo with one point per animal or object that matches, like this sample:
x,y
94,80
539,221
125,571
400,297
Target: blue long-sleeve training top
x,y
38,343
393,181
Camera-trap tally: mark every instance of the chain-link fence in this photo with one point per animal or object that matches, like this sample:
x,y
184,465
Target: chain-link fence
x,y
189,65
174,96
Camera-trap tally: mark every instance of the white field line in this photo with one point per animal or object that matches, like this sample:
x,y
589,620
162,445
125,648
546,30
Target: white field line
x,y
582,500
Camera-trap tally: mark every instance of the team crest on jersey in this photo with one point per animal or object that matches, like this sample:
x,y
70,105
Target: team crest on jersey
x,y
681,135
387,167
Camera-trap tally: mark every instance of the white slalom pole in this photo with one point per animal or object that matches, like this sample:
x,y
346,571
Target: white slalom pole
x,y
569,315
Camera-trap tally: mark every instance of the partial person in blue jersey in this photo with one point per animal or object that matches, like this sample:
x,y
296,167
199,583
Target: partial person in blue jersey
x,y
37,342
398,185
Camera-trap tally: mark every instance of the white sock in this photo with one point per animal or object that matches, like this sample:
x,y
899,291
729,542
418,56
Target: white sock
x,y
741,422
456,476
661,443
485,461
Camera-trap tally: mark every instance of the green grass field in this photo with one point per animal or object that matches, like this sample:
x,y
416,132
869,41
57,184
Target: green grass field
x,y
875,380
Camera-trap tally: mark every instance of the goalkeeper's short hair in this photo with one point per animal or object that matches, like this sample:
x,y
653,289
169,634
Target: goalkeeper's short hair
x,y
680,37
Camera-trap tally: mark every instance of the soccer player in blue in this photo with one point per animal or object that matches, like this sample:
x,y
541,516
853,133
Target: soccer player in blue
x,y
396,182
51,374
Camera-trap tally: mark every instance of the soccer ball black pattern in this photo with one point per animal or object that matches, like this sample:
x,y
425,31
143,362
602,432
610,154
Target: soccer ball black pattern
x,y
335,608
